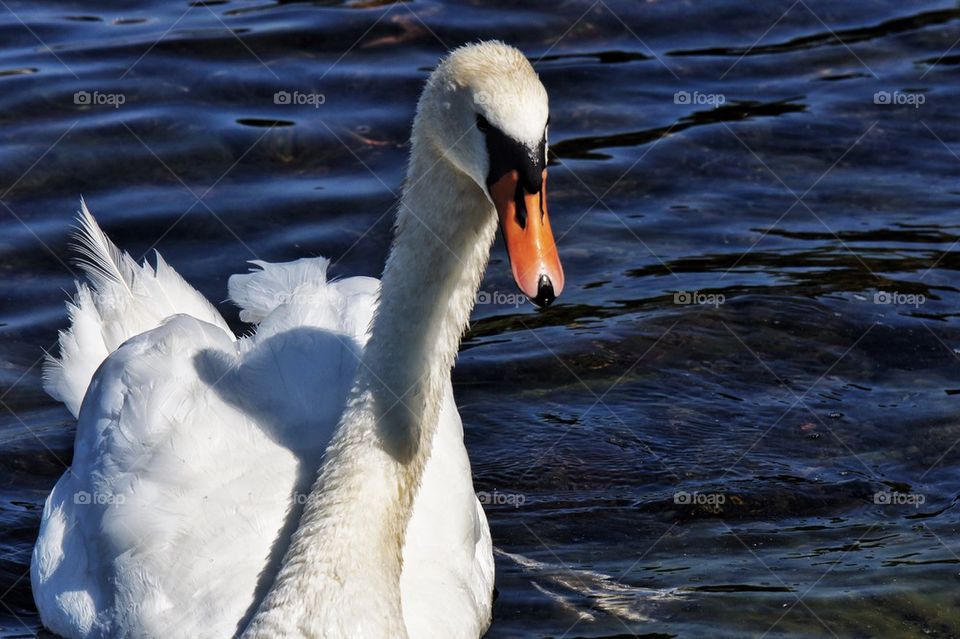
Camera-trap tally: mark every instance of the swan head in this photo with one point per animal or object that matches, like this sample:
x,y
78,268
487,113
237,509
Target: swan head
x,y
486,111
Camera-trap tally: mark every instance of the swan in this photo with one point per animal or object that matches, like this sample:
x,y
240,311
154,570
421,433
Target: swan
x,y
308,479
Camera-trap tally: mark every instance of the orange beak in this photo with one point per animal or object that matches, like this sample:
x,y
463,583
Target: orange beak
x,y
533,253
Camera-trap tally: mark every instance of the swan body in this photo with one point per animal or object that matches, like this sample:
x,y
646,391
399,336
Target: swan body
x,y
149,492
309,479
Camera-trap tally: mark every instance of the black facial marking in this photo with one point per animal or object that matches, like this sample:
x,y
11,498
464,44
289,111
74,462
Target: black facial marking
x,y
482,123
521,205
506,154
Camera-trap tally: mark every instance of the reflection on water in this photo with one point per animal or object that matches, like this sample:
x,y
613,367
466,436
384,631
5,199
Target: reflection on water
x,y
740,418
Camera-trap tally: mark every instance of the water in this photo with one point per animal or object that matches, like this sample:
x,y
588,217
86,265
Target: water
x,y
653,467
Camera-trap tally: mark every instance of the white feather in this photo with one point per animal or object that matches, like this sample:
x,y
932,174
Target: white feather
x,y
195,451
125,300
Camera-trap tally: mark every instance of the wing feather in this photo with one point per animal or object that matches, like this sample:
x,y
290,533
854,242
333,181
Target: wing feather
x,y
123,299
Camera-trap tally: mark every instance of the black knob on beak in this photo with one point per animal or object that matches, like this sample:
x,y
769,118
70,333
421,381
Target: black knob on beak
x,y
545,294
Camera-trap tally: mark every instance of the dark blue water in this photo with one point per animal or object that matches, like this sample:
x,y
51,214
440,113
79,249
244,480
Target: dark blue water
x,y
743,416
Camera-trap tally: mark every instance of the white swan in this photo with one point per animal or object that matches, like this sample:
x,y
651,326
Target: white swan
x,y
194,507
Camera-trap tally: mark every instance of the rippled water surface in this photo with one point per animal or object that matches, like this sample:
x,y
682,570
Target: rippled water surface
x,y
757,348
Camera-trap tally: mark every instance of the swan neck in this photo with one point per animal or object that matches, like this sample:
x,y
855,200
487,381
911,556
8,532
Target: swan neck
x,y
341,573
445,225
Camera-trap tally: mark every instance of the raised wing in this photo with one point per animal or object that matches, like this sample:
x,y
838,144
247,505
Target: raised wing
x,y
123,299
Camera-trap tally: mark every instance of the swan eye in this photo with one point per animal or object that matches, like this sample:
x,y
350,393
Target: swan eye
x,y
482,124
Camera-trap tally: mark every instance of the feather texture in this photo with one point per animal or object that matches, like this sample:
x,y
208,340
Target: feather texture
x,y
122,300
195,451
